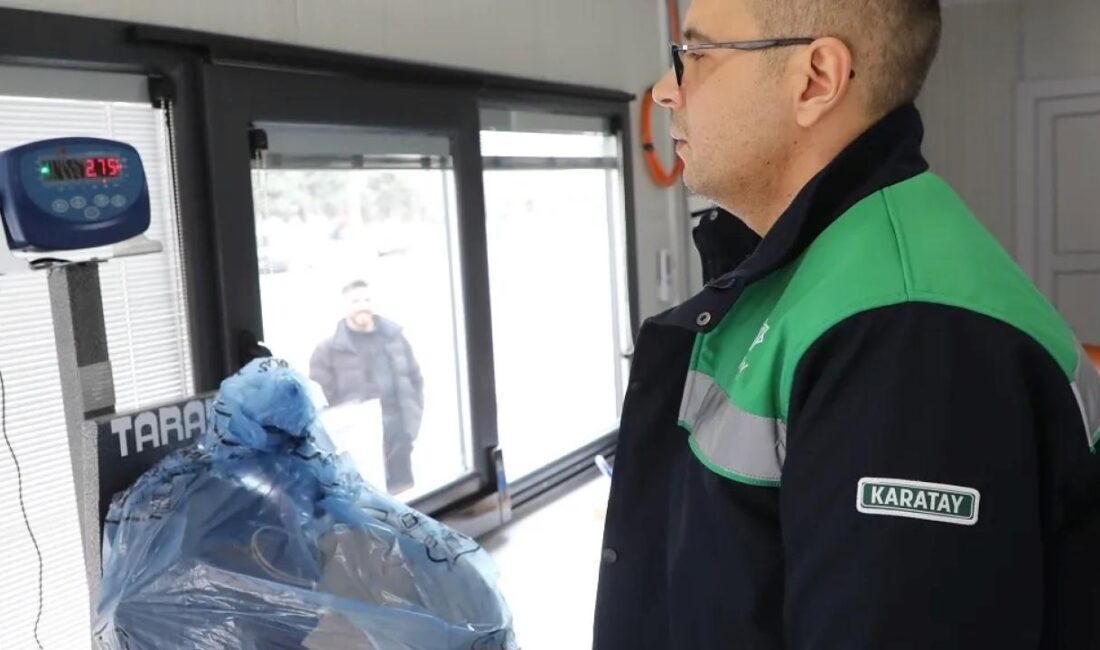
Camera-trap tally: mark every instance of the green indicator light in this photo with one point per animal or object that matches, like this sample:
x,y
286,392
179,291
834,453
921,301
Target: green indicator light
x,y
45,170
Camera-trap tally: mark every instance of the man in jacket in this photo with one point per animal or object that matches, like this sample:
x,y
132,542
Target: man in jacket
x,y
874,433
368,357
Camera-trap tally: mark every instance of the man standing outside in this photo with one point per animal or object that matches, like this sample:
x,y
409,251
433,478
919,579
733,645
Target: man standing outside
x,y
874,433
368,357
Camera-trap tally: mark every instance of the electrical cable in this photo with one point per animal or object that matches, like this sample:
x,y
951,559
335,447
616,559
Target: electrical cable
x,y
272,570
22,506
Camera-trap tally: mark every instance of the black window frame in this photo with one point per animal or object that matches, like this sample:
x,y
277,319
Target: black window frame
x,y
238,97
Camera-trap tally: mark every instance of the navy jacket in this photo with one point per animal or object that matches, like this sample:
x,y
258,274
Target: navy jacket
x,y
823,555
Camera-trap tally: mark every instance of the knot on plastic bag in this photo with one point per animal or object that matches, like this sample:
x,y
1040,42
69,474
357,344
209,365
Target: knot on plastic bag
x,y
266,405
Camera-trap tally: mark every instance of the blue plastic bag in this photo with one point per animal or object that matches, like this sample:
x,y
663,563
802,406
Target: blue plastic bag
x,y
260,537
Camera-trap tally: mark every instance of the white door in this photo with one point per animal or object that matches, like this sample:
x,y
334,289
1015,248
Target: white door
x,y
1058,200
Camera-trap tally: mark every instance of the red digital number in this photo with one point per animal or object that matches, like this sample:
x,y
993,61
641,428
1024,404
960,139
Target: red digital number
x,y
102,167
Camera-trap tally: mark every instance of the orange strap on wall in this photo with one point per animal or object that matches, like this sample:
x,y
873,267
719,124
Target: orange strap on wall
x,y
657,171
1094,354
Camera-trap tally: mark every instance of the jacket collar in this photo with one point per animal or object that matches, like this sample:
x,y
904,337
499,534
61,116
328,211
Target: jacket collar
x,y
886,154
723,242
342,338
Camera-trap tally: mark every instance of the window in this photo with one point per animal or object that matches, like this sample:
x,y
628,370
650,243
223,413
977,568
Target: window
x,y
554,213
358,255
145,314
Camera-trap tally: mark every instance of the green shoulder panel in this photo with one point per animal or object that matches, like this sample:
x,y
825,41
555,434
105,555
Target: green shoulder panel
x,y
912,242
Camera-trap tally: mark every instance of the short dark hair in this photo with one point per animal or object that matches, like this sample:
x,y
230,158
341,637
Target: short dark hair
x,y
893,42
353,285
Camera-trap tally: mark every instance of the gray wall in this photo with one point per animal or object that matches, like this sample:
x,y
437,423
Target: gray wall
x,y
1061,39
969,103
608,43
969,107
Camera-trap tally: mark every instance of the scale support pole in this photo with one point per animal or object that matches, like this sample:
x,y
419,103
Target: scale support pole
x,y
88,390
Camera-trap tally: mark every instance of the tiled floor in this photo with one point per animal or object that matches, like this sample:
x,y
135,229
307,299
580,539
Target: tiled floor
x,y
549,563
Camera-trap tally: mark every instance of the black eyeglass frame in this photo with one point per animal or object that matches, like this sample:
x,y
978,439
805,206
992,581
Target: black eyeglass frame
x,y
678,50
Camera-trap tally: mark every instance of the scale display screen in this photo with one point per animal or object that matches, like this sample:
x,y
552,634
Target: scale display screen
x,y
80,169
72,193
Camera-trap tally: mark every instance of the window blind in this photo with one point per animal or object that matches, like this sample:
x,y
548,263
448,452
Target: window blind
x,y
145,312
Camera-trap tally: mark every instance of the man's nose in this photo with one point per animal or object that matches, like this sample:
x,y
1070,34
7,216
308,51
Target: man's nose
x,y
667,92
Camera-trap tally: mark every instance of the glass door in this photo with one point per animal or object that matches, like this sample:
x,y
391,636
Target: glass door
x,y
359,265
350,225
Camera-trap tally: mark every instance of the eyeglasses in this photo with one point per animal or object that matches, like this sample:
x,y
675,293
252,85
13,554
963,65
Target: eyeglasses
x,y
679,50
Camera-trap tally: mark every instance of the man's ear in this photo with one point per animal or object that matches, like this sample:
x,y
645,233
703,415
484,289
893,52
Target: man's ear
x,y
824,71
